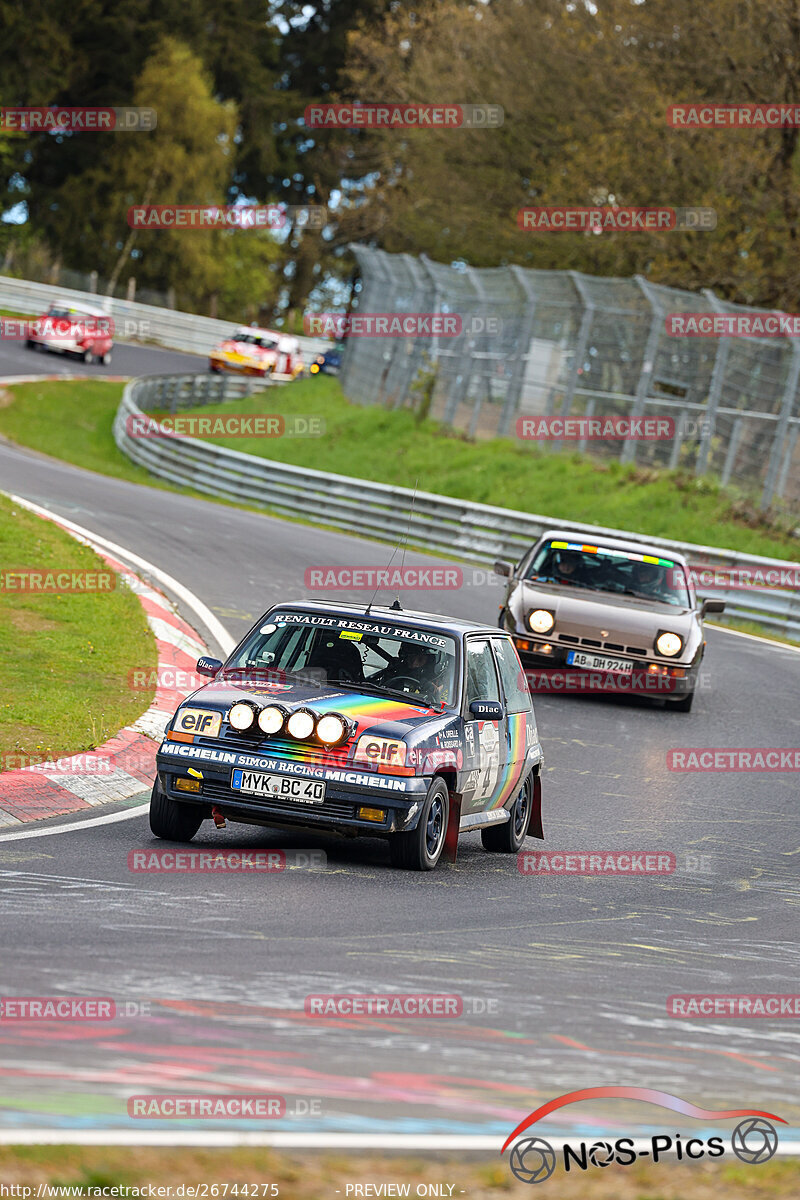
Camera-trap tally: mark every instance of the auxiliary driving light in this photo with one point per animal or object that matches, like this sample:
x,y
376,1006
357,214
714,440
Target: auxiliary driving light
x,y
271,718
371,814
188,785
331,729
301,724
668,644
241,716
541,621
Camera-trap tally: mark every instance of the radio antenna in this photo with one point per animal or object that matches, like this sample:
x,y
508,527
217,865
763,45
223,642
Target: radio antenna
x,y
397,605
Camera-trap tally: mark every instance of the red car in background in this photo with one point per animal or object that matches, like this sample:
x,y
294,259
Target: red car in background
x,y
263,352
77,329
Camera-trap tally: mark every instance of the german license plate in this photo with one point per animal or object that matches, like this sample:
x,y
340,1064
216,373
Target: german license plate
x,y
278,787
597,662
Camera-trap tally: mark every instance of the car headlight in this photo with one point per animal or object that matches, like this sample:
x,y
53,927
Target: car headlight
x,y
241,716
669,644
331,729
271,718
301,724
541,621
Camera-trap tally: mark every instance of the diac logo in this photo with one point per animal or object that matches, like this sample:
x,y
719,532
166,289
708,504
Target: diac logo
x,y
533,1160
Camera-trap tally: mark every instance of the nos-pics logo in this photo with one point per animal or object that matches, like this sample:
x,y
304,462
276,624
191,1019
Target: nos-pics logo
x,y
533,1159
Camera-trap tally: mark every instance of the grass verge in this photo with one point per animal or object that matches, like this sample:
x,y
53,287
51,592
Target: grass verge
x,y
72,420
66,656
326,1175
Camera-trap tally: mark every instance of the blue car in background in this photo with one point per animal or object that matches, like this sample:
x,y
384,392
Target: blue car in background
x,y
329,362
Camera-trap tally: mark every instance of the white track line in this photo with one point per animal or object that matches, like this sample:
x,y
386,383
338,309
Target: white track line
x,y
215,627
409,1142
136,811
754,637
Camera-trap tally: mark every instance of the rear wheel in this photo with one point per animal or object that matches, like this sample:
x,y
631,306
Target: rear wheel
x,y
421,848
508,837
106,359
170,820
88,357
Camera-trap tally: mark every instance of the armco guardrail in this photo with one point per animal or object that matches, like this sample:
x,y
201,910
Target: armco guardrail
x,y
144,322
472,532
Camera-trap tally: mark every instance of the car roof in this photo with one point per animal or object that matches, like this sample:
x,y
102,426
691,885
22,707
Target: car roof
x,y
257,330
383,612
637,547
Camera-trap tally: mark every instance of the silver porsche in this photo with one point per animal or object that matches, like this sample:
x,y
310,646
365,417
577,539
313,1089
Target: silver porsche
x,y
606,616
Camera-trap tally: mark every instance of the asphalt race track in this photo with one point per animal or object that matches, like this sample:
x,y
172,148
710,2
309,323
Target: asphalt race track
x,y
126,359
565,978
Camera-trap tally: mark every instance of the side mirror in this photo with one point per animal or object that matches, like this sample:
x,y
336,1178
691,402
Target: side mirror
x,y
487,710
208,666
712,606
501,567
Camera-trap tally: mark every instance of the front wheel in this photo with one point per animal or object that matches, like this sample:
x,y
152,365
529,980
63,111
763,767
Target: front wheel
x,y
88,357
682,705
170,820
106,359
420,849
508,837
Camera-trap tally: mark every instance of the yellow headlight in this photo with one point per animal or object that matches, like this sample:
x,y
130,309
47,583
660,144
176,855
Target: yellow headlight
x,y
669,644
541,621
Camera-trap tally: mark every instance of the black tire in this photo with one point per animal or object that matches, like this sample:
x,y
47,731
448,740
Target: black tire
x,y
420,849
88,357
509,837
30,344
682,705
106,359
170,820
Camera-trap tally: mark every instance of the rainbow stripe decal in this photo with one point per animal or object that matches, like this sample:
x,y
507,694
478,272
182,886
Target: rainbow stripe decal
x,y
612,553
509,780
649,1095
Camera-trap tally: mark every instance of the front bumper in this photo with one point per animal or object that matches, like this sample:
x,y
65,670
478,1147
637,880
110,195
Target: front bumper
x,y
239,366
346,790
549,672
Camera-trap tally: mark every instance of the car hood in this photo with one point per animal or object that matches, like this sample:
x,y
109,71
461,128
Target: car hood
x,y
397,717
580,612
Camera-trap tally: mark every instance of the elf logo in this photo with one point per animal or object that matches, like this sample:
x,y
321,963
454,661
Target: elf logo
x,y
380,752
198,720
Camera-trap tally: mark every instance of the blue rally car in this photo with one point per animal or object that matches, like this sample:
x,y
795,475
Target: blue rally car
x,y
370,722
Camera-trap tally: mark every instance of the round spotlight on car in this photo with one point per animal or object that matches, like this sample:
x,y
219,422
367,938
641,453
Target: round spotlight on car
x,y
315,368
241,716
668,644
271,718
331,729
301,724
541,621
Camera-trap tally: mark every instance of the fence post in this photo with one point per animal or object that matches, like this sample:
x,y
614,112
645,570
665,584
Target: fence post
x,y
580,347
717,376
520,362
781,428
787,460
628,453
733,446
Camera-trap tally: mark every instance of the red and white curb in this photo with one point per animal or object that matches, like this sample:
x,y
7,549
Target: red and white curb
x,y
125,764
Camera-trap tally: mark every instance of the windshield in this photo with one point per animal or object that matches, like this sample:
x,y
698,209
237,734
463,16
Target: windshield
x,y
253,339
416,664
601,569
